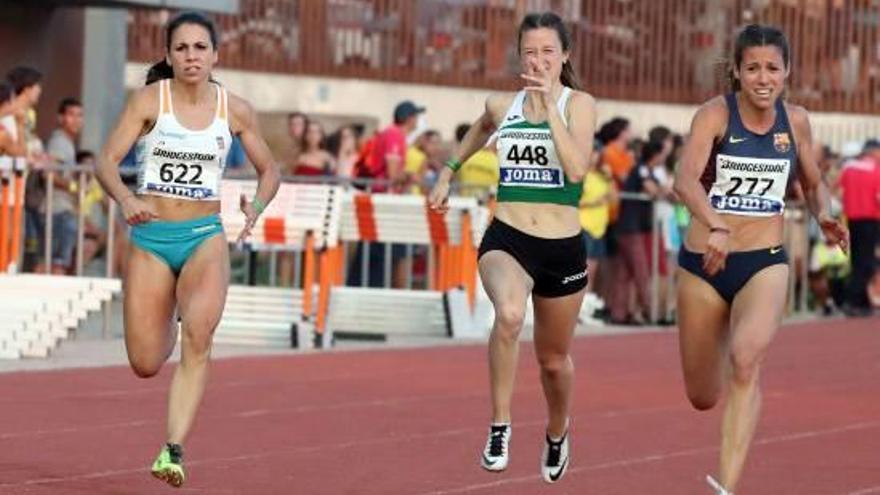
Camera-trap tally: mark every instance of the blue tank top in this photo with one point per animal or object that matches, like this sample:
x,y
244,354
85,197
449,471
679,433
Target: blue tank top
x,y
749,174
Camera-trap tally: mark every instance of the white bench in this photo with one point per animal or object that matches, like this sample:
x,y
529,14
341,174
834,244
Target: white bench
x,y
264,316
37,312
387,312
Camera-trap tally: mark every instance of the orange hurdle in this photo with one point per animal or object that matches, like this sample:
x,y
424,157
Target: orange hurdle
x,y
308,274
4,221
18,206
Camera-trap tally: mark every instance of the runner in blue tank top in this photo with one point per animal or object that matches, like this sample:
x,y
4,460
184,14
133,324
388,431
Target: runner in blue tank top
x,y
744,150
183,123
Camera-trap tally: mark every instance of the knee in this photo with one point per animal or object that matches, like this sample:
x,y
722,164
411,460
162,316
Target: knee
x,y
745,364
509,321
145,368
554,364
197,340
702,401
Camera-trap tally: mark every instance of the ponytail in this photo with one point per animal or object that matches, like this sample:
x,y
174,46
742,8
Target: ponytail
x,y
159,70
569,77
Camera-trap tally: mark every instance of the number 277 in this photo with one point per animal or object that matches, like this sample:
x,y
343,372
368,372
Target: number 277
x,y
753,183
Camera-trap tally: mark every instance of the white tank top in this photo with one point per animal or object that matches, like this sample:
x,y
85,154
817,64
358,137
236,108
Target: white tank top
x,y
181,163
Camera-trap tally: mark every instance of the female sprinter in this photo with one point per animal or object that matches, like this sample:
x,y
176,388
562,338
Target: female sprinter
x,y
534,245
183,124
744,151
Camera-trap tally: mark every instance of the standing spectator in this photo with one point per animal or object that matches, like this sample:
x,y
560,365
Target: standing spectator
x,y
478,176
615,136
12,139
27,87
62,148
314,159
296,129
389,150
343,147
421,158
236,160
860,182
633,228
386,164
594,206
664,214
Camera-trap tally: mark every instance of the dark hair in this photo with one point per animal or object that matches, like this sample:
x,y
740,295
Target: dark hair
x,y
81,156
612,129
756,35
162,69
460,131
650,150
659,134
6,92
21,78
68,103
430,133
537,20
359,129
303,142
293,115
333,142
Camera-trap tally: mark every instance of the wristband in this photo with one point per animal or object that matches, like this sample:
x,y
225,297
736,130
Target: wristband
x,y
453,165
259,206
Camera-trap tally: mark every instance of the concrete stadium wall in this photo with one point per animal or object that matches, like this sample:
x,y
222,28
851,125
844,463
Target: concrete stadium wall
x,y
373,101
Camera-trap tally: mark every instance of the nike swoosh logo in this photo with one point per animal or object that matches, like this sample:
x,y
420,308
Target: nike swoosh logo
x,y
775,250
487,462
513,117
734,140
555,476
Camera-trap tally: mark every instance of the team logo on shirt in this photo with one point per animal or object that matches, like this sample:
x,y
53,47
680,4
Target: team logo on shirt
x,y
221,143
781,142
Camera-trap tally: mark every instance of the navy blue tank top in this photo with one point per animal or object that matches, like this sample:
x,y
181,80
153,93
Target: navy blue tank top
x,y
749,174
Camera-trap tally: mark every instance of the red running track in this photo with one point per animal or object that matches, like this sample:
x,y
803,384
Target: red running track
x,y
413,422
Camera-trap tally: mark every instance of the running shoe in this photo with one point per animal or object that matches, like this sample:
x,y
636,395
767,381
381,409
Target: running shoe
x,y
719,490
168,467
496,455
556,458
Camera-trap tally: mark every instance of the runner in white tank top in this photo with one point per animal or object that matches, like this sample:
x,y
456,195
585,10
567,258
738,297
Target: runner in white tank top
x,y
179,260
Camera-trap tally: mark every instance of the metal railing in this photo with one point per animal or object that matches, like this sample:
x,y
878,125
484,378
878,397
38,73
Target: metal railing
x,y
670,51
796,228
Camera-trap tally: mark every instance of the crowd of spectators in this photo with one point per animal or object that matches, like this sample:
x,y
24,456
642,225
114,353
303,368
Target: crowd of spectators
x,y
628,211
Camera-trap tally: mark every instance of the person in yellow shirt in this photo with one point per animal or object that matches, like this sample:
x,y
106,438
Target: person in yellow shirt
x,y
478,176
595,212
422,158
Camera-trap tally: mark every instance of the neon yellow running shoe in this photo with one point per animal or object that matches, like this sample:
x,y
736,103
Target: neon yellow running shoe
x,y
168,467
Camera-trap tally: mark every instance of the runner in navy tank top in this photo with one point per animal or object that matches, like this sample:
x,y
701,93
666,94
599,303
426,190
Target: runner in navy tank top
x,y
744,150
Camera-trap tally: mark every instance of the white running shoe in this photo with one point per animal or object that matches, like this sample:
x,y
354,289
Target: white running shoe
x,y
555,459
719,490
496,454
